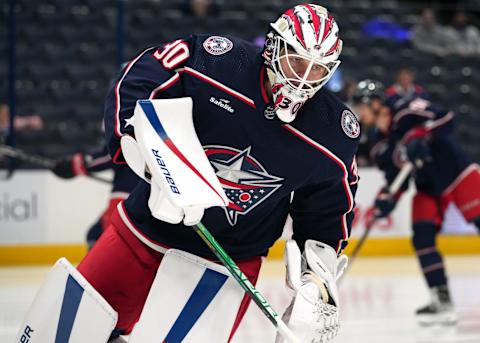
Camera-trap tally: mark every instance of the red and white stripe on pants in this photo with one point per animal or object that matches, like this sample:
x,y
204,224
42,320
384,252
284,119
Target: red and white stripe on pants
x,y
464,192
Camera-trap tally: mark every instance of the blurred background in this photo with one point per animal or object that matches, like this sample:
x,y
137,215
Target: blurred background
x,y
58,58
67,51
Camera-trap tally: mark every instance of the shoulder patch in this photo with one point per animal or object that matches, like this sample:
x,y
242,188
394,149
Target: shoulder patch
x,y
217,45
350,124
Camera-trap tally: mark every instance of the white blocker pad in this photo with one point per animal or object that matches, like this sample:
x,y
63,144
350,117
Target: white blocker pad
x,y
67,309
191,300
167,140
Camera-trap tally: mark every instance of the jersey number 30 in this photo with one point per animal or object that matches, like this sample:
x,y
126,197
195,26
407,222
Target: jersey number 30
x,y
173,54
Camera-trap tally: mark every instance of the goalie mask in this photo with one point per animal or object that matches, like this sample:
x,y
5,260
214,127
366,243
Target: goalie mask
x,y
301,53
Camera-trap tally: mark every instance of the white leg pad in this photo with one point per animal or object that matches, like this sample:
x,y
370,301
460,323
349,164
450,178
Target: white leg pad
x,y
67,309
191,300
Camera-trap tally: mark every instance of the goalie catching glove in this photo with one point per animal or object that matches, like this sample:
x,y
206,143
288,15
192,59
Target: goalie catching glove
x,y
166,153
313,312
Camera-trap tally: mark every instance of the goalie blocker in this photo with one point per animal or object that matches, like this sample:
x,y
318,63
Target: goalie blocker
x,y
182,181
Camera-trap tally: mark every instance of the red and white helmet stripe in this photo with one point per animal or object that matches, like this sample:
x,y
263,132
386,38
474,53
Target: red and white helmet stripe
x,y
305,32
311,29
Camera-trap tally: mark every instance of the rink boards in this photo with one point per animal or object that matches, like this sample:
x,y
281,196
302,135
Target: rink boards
x,y
43,217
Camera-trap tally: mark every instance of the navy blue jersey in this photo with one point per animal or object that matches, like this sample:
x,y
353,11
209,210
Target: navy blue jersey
x,y
448,159
259,160
124,179
397,96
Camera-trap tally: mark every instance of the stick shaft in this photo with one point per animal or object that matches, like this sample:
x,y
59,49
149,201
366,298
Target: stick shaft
x,y
39,160
394,187
254,294
400,178
16,153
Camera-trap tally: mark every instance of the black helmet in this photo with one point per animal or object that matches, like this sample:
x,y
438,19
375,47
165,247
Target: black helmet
x,y
367,90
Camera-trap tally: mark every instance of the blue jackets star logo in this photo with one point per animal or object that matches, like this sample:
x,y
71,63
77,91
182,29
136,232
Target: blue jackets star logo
x,y
244,180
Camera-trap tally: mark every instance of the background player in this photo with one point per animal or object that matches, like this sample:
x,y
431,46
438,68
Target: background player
x,y
124,180
421,133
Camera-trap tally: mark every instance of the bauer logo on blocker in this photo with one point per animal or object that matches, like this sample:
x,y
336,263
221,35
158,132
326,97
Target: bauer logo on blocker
x,y
166,172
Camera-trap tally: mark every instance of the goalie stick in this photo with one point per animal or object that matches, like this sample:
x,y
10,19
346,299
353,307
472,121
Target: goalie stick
x,y
254,294
38,160
394,187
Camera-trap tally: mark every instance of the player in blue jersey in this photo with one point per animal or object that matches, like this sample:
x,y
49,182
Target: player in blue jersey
x,y
278,143
124,180
421,133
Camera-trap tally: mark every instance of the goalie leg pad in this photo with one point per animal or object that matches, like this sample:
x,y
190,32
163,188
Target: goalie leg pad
x,y
191,300
67,309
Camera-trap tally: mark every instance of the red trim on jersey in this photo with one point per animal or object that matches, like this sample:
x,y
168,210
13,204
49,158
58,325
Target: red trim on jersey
x,y
116,157
440,121
354,171
339,162
167,84
117,128
218,85
262,85
410,112
416,132
122,215
99,161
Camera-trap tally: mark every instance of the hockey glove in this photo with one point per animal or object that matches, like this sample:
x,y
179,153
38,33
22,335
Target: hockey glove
x,y
313,312
418,152
70,167
384,203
